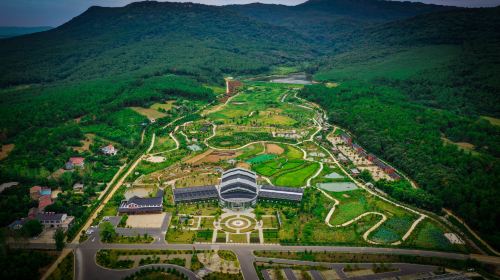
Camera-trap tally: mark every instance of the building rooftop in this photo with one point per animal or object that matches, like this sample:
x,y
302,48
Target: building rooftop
x,y
195,193
50,216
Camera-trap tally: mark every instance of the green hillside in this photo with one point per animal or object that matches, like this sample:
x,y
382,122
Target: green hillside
x,y
149,37
413,91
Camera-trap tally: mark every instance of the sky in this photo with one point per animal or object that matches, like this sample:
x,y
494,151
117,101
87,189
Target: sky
x,y
56,12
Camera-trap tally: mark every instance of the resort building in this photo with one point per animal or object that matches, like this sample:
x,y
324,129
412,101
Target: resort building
x,y
238,189
78,187
142,205
51,219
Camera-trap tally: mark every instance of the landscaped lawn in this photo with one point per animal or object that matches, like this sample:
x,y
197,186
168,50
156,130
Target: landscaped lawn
x,y
269,222
348,210
298,177
176,236
237,238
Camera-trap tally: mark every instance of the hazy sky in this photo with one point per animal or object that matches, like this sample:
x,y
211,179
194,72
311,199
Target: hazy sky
x,y
56,12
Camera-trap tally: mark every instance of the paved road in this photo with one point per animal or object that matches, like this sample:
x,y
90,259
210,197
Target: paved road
x,y
403,268
86,268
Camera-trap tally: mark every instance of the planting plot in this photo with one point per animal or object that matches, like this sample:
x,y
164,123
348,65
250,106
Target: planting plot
x,y
251,151
261,158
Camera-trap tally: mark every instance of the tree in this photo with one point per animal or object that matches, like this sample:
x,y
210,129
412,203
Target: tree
x,y
59,238
366,176
32,228
107,232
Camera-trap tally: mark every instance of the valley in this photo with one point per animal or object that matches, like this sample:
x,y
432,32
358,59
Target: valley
x,y
332,139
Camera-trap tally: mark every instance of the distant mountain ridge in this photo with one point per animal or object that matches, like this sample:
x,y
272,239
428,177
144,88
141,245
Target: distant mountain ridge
x,y
12,31
192,39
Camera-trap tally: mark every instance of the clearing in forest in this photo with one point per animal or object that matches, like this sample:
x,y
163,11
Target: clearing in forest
x,y
5,151
149,113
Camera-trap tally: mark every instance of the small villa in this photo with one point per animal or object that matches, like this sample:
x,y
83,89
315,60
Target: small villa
x,y
109,150
78,187
74,162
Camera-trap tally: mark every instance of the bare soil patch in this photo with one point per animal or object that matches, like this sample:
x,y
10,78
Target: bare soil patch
x,y
146,221
5,151
274,149
212,156
243,165
156,159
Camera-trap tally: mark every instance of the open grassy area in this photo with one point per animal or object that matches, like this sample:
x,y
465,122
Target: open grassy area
x,y
398,64
237,238
298,177
167,106
163,143
180,236
149,113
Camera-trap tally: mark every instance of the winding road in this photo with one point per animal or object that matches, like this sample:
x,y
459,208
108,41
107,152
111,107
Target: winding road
x,y
86,267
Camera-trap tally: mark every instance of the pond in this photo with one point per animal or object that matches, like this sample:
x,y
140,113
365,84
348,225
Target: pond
x,y
297,78
338,186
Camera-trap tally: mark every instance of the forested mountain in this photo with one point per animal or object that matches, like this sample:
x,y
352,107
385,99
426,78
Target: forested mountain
x,y
413,91
327,20
148,37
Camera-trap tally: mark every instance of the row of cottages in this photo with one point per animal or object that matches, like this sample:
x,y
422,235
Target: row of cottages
x,y
142,205
371,157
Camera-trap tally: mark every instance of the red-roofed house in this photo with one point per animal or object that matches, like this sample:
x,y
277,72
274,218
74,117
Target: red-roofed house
x,y
74,162
35,192
43,202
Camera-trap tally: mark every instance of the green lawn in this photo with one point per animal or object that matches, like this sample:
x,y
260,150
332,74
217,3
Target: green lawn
x,y
298,177
238,238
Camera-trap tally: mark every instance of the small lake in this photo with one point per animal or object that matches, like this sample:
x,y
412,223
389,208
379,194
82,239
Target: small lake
x,y
297,78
